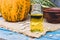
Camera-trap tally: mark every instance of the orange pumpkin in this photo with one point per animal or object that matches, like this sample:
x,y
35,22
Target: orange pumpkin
x,y
15,10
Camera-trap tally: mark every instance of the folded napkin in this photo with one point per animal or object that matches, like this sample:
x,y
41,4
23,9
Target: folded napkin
x,y
24,27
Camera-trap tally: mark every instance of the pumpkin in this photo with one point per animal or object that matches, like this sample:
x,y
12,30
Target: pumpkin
x,y
0,6
15,10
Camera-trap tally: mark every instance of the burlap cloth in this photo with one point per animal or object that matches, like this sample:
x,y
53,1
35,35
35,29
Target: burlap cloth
x,y
24,27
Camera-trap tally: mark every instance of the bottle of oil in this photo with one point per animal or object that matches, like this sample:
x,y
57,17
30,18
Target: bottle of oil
x,y
36,18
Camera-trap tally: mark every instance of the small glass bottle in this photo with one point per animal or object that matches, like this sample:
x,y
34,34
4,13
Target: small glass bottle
x,y
36,17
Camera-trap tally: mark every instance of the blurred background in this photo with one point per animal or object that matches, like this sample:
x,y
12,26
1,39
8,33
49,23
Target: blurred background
x,y
57,2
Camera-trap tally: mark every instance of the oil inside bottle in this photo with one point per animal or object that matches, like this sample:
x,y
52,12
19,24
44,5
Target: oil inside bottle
x,y
36,22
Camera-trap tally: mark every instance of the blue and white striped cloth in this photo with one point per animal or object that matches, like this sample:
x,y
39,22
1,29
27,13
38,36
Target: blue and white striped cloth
x,y
9,35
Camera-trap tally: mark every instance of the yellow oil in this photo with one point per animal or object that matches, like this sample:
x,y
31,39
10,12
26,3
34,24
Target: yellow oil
x,y
36,23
